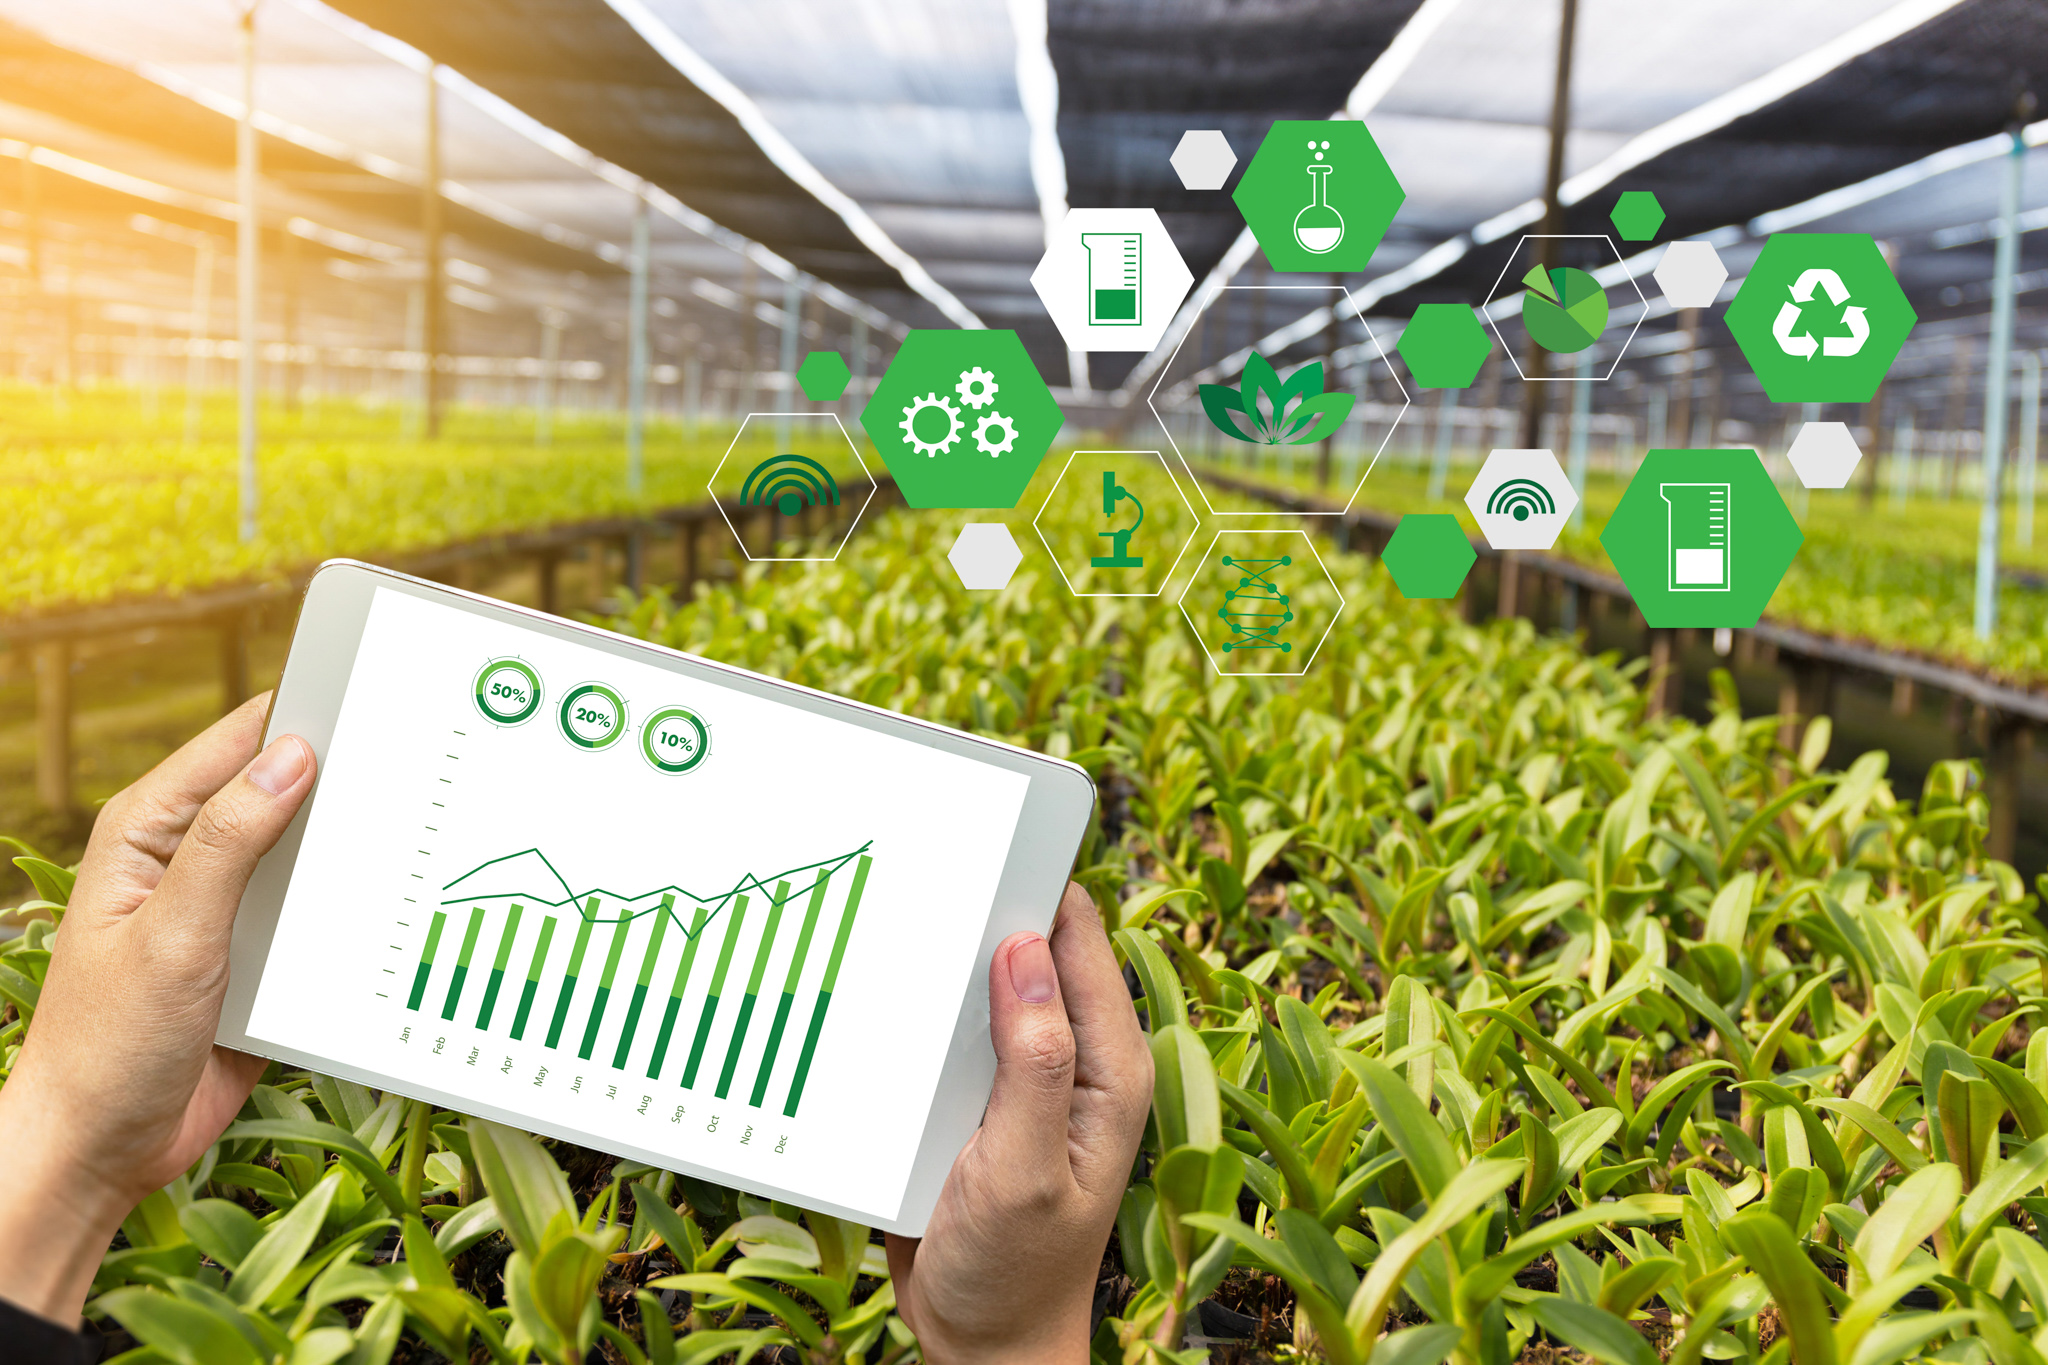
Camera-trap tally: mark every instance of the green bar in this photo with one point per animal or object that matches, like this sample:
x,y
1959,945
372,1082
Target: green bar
x,y
675,994
803,1061
796,966
575,968
732,938
604,985
483,1018
739,1028
476,922
540,954
419,978
640,986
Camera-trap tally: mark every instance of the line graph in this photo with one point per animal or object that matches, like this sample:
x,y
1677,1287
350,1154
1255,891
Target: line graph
x,y
645,919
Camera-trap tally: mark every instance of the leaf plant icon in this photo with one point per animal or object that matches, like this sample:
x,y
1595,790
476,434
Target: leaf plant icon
x,y
1264,411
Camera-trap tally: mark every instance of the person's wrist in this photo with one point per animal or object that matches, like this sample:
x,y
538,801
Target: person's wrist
x,y
57,1214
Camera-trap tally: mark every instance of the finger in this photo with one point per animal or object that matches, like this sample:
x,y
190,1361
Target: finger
x,y
1112,1063
1025,1128
192,912
138,831
902,1253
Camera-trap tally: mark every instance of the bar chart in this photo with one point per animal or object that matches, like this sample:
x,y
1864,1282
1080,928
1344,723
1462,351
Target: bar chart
x,y
760,932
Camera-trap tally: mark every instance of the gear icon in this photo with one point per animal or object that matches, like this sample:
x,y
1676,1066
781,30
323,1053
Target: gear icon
x,y
945,443
994,448
977,387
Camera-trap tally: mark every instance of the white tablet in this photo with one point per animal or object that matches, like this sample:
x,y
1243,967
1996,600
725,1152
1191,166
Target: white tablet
x,y
640,900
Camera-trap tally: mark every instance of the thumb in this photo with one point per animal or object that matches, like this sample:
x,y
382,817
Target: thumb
x,y
195,903
1025,1129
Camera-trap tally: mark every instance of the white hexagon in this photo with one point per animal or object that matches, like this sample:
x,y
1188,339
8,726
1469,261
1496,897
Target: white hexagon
x,y
822,489
1111,279
1824,454
1691,274
1203,159
1569,376
1521,499
985,555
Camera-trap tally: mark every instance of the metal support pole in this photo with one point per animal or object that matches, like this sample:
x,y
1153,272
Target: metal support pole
x,y
1440,464
245,275
234,659
544,383
195,360
53,727
2030,441
860,359
792,329
636,355
1536,360
1582,421
1997,383
1904,458
433,300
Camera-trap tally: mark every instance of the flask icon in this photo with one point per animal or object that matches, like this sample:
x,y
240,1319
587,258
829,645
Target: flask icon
x,y
1319,227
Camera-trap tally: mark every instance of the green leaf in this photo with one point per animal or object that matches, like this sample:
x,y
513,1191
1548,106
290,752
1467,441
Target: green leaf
x,y
1164,1003
1328,412
180,1330
1466,1193
524,1182
1425,1345
345,1145
1593,1330
52,883
1185,1102
1225,409
1771,1250
1408,1124
223,1229
1911,1213
271,1261
1904,1334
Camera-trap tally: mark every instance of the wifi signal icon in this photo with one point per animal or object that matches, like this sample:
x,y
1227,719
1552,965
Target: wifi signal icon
x,y
789,483
1521,499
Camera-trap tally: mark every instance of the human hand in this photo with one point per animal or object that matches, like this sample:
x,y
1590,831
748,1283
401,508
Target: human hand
x,y
119,1086
1006,1270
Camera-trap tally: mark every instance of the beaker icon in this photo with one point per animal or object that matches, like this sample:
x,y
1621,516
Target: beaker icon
x,y
1319,227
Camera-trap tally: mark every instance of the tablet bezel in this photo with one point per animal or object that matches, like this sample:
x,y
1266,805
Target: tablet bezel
x,y
1057,808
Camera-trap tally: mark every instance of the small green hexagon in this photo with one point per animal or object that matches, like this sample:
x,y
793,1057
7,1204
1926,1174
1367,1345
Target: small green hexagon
x,y
1637,216
1318,195
1444,345
1429,555
824,376
1701,538
1820,317
962,418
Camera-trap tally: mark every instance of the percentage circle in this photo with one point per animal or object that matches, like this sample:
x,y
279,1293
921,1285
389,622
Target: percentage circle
x,y
592,716
508,691
674,740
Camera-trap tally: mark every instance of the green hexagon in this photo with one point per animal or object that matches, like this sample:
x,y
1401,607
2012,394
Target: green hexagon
x,y
1701,538
1637,216
824,376
1429,555
1444,345
962,418
1318,195
1820,317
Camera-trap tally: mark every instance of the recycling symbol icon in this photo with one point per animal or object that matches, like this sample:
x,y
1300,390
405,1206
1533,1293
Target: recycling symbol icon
x,y
1784,317
1802,344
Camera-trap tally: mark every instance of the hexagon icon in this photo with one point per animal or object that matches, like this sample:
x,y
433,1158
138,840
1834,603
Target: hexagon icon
x,y
1111,279
1691,274
1318,195
1637,216
1820,317
1138,523
985,554
962,418
1701,538
1521,499
1567,307
1824,454
1444,345
1365,382
823,376
790,487
1429,555
1261,602
1203,159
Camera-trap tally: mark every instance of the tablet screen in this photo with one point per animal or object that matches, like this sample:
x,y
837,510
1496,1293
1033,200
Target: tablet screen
x,y
639,906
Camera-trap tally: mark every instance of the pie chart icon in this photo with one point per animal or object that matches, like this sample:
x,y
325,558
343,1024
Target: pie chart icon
x,y
1565,311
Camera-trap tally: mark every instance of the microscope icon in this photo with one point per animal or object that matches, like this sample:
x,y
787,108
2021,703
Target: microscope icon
x,y
1119,556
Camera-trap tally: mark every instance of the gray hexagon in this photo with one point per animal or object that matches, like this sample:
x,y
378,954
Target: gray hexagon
x,y
1691,274
985,555
1824,454
1203,159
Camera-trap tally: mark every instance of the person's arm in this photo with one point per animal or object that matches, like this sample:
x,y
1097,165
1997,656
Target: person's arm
x,y
1005,1273
119,1087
